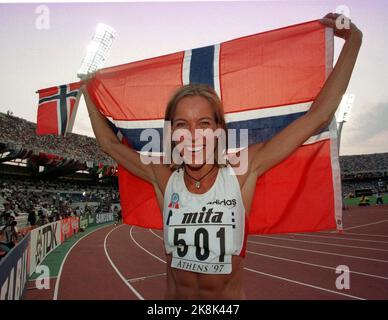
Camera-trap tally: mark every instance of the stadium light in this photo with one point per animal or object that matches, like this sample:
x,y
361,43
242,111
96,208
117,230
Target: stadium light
x,y
98,50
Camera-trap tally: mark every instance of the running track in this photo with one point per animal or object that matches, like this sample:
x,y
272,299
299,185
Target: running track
x,y
124,262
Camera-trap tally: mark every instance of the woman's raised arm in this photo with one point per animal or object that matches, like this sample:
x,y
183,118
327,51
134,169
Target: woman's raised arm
x,y
110,144
264,156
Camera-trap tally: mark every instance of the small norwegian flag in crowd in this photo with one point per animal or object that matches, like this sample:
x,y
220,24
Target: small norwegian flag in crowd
x,y
57,109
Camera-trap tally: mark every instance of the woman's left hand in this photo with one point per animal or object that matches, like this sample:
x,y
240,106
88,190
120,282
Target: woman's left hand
x,y
342,29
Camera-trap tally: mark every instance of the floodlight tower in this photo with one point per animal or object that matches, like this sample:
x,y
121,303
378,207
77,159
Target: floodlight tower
x,y
97,51
344,114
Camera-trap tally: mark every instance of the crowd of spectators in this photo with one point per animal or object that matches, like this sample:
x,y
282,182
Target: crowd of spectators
x,y
40,202
22,133
26,203
349,187
368,171
364,164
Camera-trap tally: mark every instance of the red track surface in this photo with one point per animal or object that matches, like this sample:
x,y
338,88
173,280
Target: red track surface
x,y
124,262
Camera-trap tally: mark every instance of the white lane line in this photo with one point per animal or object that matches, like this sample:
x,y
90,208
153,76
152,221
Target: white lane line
x,y
340,238
303,284
144,249
156,234
56,289
365,225
146,277
320,252
315,265
366,234
324,243
137,294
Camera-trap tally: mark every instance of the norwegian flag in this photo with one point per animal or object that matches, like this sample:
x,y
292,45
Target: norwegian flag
x,y
57,109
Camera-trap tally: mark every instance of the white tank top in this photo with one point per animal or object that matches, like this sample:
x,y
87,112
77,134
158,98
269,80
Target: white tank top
x,y
203,231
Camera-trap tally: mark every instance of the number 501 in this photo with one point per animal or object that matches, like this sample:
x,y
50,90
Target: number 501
x,y
199,233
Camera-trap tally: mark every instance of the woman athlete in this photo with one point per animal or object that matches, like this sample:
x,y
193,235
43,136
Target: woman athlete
x,y
205,206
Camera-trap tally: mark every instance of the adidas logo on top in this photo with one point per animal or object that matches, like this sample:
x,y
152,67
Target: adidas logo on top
x,y
224,202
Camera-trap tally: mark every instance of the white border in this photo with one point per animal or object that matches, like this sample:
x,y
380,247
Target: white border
x,y
229,117
186,67
71,116
334,152
216,69
268,112
59,117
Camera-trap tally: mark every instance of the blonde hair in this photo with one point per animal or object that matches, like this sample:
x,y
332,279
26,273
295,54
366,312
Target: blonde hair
x,y
201,90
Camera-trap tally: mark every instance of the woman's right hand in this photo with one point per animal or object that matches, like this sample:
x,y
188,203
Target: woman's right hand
x,y
83,87
85,80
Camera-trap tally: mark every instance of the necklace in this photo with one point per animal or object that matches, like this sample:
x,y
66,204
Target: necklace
x,y
198,181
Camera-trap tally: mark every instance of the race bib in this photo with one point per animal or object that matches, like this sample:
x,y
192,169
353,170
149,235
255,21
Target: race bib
x,y
203,240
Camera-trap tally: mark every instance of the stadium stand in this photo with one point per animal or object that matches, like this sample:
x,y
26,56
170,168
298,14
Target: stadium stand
x,y
364,163
364,172
59,176
22,195
20,133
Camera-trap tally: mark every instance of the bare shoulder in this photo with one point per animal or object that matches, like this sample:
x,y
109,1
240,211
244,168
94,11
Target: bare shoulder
x,y
242,161
162,173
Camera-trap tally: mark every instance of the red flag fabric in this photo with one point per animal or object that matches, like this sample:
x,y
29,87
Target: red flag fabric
x,y
265,81
57,109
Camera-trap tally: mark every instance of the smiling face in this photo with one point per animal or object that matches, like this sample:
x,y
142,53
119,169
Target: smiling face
x,y
196,116
194,124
